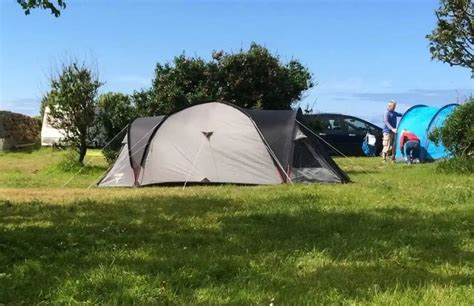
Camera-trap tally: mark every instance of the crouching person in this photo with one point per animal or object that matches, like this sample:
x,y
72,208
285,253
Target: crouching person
x,y
410,146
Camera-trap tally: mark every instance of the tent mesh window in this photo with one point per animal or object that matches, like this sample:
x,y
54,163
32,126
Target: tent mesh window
x,y
303,157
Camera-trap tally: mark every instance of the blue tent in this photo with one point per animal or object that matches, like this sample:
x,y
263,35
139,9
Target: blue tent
x,y
421,120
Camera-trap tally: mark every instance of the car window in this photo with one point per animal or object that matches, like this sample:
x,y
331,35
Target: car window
x,y
373,129
355,125
331,123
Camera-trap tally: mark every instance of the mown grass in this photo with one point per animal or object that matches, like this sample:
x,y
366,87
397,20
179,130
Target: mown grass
x,y
48,168
397,235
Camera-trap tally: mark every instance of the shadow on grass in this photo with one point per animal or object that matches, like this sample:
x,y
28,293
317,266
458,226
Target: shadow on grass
x,y
169,249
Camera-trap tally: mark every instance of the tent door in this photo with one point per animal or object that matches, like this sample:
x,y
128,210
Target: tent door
x,y
307,168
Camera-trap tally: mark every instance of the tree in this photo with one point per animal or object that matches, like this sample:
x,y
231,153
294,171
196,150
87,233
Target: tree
x,y
258,79
457,133
452,41
72,104
46,100
115,112
144,103
55,6
185,82
253,79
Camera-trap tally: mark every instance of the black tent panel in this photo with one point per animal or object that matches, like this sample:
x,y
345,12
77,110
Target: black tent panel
x,y
277,127
139,133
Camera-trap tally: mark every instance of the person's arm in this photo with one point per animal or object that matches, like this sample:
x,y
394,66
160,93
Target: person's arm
x,y
399,114
402,142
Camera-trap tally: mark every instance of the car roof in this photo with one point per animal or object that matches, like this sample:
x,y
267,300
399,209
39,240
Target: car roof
x,y
344,115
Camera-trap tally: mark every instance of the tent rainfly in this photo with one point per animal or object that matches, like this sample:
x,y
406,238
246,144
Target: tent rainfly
x,y
218,142
49,134
421,120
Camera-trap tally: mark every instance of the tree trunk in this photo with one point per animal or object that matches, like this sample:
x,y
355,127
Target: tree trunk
x,y
82,151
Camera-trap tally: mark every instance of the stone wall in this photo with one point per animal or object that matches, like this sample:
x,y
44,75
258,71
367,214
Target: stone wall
x,y
17,130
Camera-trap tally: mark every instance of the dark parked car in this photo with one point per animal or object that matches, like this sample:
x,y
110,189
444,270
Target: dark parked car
x,y
346,133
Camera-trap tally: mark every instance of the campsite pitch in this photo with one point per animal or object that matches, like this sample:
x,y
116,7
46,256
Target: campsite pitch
x,y
368,242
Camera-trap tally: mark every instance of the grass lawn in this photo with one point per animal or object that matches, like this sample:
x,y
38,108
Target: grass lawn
x,y
368,242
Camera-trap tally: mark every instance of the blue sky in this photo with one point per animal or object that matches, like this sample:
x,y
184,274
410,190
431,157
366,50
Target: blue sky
x,y
362,53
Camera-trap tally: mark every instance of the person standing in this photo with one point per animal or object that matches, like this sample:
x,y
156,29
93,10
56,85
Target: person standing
x,y
389,130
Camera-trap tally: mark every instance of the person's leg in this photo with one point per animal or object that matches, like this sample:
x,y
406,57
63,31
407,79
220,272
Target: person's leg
x,y
411,148
416,151
392,146
372,150
386,145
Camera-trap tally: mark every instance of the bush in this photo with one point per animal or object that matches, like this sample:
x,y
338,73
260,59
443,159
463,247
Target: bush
x,y
315,124
69,163
253,78
111,154
457,134
115,112
456,165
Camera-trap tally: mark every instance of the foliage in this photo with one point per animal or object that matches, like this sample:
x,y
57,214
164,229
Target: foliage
x,y
143,102
452,41
357,244
311,120
258,79
111,154
314,123
115,112
72,103
186,82
55,6
457,134
252,79
46,100
456,165
69,162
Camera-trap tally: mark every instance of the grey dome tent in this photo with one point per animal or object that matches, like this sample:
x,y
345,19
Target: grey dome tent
x,y
218,142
